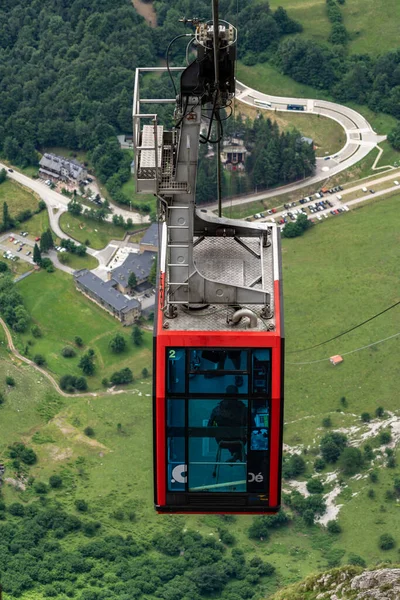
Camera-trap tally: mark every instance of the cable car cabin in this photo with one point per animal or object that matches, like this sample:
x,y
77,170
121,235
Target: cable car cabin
x,y
218,350
218,397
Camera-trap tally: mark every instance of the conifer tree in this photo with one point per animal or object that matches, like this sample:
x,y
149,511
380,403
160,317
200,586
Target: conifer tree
x,y
37,255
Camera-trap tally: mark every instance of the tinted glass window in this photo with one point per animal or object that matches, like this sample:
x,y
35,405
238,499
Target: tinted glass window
x,y
261,365
176,370
212,371
176,445
217,445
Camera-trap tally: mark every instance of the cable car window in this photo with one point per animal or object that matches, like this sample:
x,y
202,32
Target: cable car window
x,y
261,365
176,370
218,444
176,434
212,371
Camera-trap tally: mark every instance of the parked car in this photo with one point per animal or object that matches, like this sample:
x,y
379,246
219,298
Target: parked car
x,y
365,190
15,242
273,210
19,249
396,182
28,253
11,239
37,239
372,191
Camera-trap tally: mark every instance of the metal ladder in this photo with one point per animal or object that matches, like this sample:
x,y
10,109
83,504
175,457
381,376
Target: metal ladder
x,y
175,245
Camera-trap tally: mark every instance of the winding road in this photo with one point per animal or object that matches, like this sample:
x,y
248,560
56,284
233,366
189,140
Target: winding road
x,y
360,138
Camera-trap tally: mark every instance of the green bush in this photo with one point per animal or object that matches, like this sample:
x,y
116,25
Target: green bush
x,y
327,422
334,527
16,509
40,487
356,560
351,461
10,381
55,481
386,541
385,437
319,464
36,332
315,486
39,359
81,505
68,352
365,417
89,431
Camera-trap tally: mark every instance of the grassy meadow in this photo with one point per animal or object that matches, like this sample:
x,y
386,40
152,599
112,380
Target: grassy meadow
x,y
329,137
372,26
335,276
18,197
59,325
97,233
266,78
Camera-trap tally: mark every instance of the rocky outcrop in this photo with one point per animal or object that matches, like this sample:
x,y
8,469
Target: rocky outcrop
x,y
346,583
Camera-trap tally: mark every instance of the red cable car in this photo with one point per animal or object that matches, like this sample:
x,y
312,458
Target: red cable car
x,y
218,400
218,347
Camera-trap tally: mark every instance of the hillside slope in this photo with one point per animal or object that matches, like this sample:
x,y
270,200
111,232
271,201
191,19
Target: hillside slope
x,y
347,583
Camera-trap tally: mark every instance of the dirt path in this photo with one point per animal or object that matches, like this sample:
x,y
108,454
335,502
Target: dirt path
x,y
50,377
146,10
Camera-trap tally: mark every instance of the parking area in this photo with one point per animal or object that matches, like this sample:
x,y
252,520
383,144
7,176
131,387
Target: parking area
x,y
16,246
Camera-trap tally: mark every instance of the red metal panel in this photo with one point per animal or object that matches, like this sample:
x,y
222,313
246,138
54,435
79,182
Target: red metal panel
x,y
220,339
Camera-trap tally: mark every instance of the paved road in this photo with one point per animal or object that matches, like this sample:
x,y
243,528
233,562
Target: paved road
x,y
360,138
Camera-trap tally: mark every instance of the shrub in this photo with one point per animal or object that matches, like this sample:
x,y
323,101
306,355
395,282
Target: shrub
x,y
90,528
371,493
327,422
319,464
39,359
81,384
36,332
10,381
386,541
2,399
81,505
55,481
315,486
391,462
351,461
334,527
68,383
385,437
354,559
226,537
379,412
373,476
145,372
121,377
332,446
368,452
89,431
293,465
117,344
78,341
68,352
40,487
16,509
105,382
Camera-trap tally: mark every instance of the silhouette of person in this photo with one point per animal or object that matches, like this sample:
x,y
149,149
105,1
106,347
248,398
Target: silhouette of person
x,y
230,412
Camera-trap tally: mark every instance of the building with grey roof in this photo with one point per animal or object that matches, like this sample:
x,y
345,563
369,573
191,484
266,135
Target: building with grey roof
x,y
106,295
139,264
62,168
149,241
